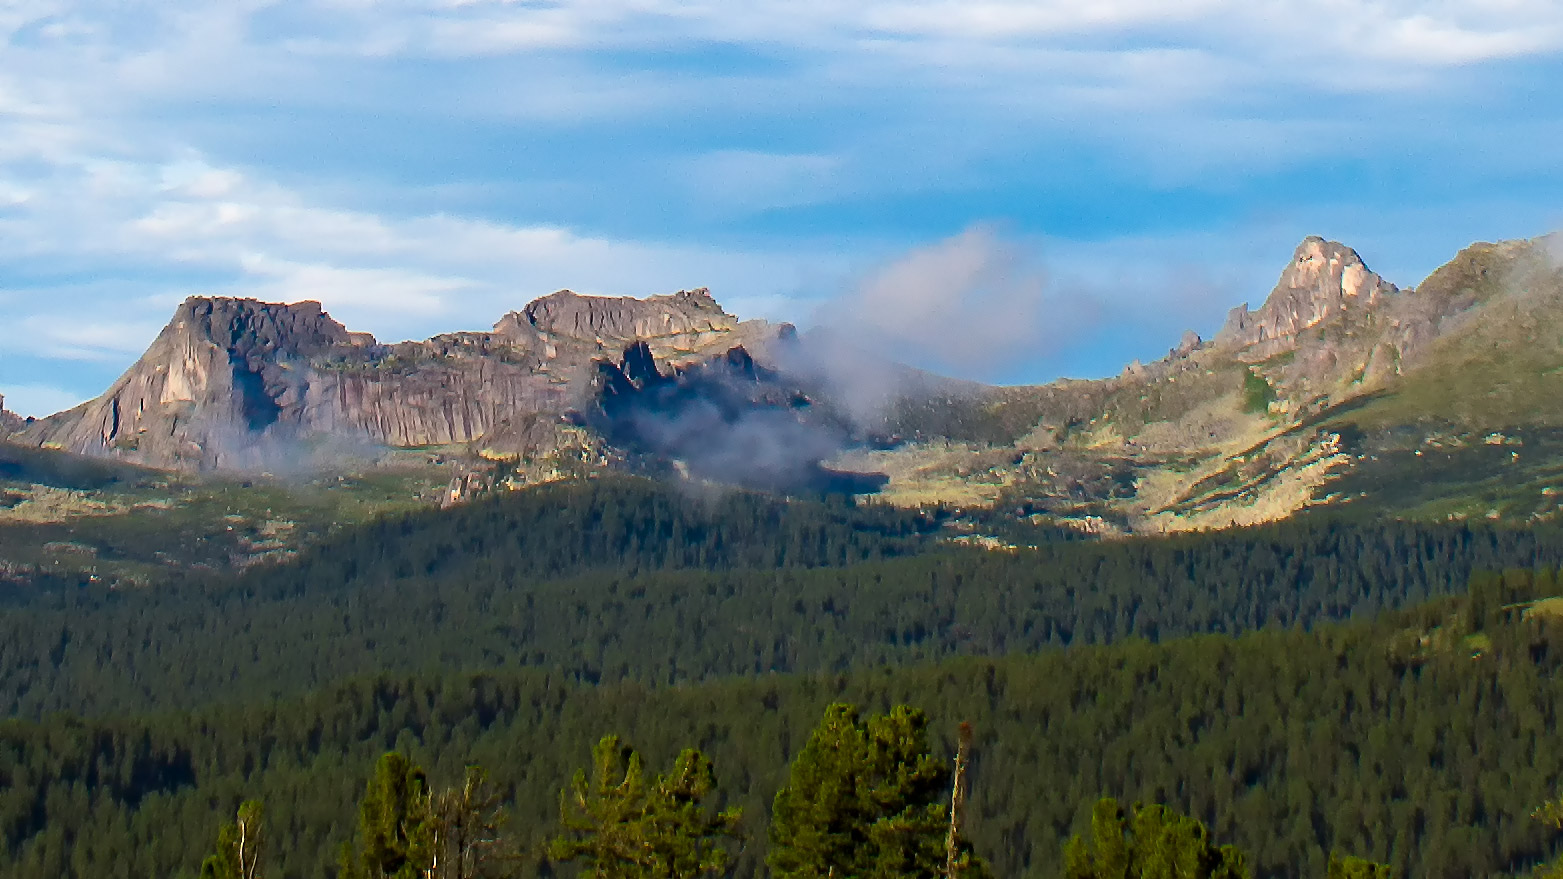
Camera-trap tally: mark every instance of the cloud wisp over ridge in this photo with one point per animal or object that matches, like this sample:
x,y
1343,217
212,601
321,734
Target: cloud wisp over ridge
x,y
425,165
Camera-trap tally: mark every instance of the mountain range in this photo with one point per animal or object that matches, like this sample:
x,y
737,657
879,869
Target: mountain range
x,y
1341,388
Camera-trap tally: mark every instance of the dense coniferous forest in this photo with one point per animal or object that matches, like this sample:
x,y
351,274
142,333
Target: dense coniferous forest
x,y
1306,688
1423,739
625,581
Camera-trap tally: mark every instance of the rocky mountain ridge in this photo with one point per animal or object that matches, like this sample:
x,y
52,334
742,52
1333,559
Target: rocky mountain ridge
x,y
1290,405
1335,368
233,384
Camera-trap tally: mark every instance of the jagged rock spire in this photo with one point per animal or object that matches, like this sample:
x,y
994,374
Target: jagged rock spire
x,y
1324,280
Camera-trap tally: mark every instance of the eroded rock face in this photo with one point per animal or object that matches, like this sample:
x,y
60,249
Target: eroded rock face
x,y
243,384
727,419
1332,328
620,320
10,422
1324,281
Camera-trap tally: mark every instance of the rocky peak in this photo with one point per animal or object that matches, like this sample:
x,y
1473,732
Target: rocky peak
x,y
616,321
241,384
247,326
1324,280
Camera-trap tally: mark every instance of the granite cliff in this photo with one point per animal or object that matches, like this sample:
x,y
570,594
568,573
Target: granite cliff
x,y
234,384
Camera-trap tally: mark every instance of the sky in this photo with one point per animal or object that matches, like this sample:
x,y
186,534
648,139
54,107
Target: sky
x,y
1078,182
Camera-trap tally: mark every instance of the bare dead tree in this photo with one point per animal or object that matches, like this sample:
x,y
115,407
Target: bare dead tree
x,y
954,862
251,838
468,825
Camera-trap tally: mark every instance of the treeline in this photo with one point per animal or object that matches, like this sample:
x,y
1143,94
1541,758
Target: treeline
x,y
621,524
1424,740
626,582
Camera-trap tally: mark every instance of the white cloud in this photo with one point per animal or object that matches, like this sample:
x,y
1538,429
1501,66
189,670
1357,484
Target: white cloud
x,y
396,276
973,303
100,177
1402,31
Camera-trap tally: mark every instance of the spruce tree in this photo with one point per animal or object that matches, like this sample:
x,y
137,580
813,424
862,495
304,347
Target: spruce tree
x,y
863,799
397,828
624,826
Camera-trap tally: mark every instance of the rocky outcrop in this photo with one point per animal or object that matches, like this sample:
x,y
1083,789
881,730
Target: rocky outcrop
x,y
1325,281
679,329
241,384
1332,328
10,422
728,419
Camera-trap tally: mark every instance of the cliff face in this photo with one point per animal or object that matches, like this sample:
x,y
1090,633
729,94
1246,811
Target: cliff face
x,y
1324,281
222,373
241,384
10,422
1332,328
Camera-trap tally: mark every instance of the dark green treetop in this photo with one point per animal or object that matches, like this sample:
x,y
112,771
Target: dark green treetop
x,y
397,827
863,799
1150,842
622,825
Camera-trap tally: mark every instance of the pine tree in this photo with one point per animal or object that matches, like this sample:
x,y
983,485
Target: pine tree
x,y
623,826
601,817
397,829
1550,813
1350,867
240,846
1153,842
863,799
685,839
468,825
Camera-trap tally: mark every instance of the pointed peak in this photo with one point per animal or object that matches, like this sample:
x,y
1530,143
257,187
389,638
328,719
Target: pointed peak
x,y
1323,280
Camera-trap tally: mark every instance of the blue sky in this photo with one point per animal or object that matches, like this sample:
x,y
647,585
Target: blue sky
x,y
1074,183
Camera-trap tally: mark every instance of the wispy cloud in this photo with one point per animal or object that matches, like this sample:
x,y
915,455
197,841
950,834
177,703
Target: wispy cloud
x,y
424,165
971,303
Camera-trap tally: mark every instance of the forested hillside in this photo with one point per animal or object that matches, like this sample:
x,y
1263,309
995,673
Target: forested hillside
x,y
1424,740
625,581
1304,688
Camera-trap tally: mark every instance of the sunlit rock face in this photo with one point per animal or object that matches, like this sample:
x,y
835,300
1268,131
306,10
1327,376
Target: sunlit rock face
x,y
234,384
1324,281
1333,327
